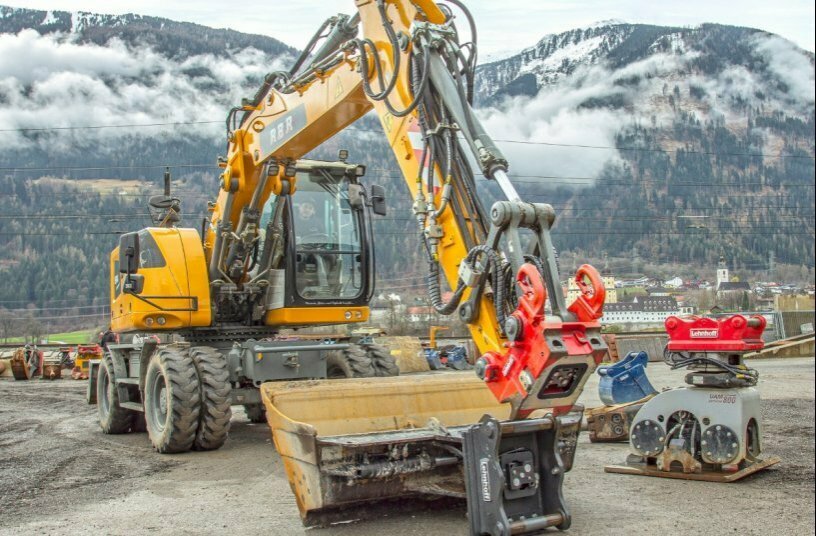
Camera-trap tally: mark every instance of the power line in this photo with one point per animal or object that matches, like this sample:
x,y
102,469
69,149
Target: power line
x,y
51,309
620,148
84,216
66,234
98,315
106,168
94,127
360,129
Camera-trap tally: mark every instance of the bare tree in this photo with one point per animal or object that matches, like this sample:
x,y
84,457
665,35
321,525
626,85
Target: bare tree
x,y
34,330
7,321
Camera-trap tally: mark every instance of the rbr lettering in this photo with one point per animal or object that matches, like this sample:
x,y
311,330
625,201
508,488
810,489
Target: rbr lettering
x,y
281,130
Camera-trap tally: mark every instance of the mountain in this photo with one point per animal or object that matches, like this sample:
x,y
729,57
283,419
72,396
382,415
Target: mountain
x,y
177,40
664,143
658,146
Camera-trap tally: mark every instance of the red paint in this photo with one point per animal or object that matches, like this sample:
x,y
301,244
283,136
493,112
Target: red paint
x,y
531,351
700,334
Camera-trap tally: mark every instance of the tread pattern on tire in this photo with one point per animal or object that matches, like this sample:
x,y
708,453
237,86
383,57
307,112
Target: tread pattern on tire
x,y
184,400
216,407
353,362
119,420
381,359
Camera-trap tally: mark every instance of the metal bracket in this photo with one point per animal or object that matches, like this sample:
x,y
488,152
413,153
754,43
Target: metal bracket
x,y
514,473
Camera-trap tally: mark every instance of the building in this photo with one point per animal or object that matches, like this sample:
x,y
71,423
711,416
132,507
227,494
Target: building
x,y
725,286
643,310
722,272
609,283
420,314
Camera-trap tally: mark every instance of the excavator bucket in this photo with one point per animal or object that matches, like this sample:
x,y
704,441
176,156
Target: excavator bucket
x,y
346,444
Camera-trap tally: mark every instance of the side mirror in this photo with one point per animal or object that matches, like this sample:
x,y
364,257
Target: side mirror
x,y
133,284
356,196
378,200
129,253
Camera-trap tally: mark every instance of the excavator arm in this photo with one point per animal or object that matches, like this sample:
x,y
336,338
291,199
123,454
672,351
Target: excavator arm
x,y
404,60
409,66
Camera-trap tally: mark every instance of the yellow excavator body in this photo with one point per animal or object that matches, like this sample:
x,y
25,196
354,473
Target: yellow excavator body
x,y
176,293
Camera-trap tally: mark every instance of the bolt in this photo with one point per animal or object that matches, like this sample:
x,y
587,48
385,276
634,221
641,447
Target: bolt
x,y
528,467
481,368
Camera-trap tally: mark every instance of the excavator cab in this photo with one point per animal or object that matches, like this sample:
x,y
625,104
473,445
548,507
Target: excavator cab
x,y
316,245
328,248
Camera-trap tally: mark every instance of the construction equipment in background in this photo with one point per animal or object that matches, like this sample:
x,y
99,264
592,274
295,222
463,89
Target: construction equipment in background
x,y
712,429
289,245
624,388
626,380
52,365
85,353
26,362
453,356
432,333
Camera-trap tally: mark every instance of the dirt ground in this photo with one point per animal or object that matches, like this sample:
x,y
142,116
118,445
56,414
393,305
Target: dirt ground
x,y
59,474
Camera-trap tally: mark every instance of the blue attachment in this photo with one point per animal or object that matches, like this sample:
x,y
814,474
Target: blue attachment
x,y
433,359
626,380
454,357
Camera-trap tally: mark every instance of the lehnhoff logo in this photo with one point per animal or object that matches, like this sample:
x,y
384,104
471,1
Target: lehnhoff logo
x,y
705,333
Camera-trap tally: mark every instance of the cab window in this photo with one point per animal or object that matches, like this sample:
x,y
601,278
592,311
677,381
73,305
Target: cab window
x,y
328,243
150,256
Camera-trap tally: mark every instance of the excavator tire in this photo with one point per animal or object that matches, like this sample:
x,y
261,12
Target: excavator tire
x,y
255,412
113,419
172,400
353,362
381,359
216,409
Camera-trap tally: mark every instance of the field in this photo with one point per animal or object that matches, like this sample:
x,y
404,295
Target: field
x,y
68,337
59,474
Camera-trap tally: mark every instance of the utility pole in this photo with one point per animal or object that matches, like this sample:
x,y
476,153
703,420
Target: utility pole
x,y
771,265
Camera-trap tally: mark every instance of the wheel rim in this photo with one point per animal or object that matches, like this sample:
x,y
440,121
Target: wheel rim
x,y
104,399
158,403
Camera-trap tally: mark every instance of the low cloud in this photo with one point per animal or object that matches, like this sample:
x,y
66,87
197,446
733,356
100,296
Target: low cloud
x,y
791,65
594,103
53,81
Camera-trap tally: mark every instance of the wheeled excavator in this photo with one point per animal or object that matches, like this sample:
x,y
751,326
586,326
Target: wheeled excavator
x,y
289,245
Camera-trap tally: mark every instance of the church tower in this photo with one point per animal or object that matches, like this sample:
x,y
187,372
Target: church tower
x,y
722,272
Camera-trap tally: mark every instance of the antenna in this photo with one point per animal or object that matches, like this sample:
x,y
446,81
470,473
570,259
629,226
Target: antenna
x,y
167,182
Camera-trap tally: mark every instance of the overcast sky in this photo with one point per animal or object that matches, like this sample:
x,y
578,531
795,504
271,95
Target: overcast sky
x,y
503,25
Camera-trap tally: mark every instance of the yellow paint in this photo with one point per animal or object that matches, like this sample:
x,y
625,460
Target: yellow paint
x,y
311,316
301,414
184,274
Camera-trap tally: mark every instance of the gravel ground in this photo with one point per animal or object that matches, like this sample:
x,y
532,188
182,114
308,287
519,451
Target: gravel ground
x,y
59,474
